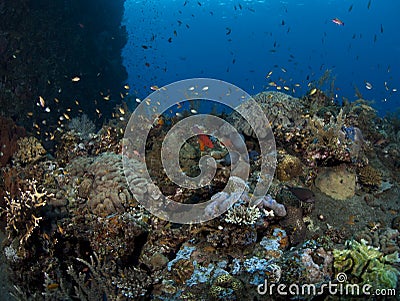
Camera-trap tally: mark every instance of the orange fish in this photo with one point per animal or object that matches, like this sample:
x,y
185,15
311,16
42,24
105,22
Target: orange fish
x,y
338,21
203,139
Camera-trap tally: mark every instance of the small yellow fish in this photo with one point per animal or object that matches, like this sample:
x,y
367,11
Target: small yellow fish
x,y
126,87
154,88
312,92
60,229
106,97
269,74
122,111
53,286
66,116
41,101
76,79
286,88
272,84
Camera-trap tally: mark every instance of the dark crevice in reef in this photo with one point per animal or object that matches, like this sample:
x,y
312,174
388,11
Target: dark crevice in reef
x,y
46,43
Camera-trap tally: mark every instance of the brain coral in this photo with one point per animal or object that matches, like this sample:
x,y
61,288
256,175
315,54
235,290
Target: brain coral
x,y
288,168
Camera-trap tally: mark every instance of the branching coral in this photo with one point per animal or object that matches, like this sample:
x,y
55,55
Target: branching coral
x,y
243,215
82,126
30,150
98,287
129,283
22,214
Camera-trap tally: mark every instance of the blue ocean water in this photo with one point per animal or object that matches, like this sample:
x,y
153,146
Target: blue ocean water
x,y
241,42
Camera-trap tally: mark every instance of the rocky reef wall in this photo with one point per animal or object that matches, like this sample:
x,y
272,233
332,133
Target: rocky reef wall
x,y
67,52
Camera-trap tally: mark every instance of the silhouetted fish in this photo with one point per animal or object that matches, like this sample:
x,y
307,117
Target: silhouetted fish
x,y
303,194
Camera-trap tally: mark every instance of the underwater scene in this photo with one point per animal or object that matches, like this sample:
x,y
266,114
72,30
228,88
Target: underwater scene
x,y
199,150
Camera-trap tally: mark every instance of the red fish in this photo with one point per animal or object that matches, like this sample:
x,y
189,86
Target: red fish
x,y
338,21
203,139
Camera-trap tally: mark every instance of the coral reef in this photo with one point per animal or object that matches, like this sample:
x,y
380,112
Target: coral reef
x,y
243,215
29,150
288,168
369,176
367,265
82,126
78,233
23,216
384,239
101,182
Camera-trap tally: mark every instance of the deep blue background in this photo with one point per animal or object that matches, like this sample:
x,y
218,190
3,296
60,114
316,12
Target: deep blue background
x,y
305,46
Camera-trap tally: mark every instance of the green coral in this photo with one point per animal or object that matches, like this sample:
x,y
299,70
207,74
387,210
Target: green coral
x,y
226,286
367,265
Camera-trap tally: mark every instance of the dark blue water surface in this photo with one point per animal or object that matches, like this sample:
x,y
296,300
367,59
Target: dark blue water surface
x,y
242,41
